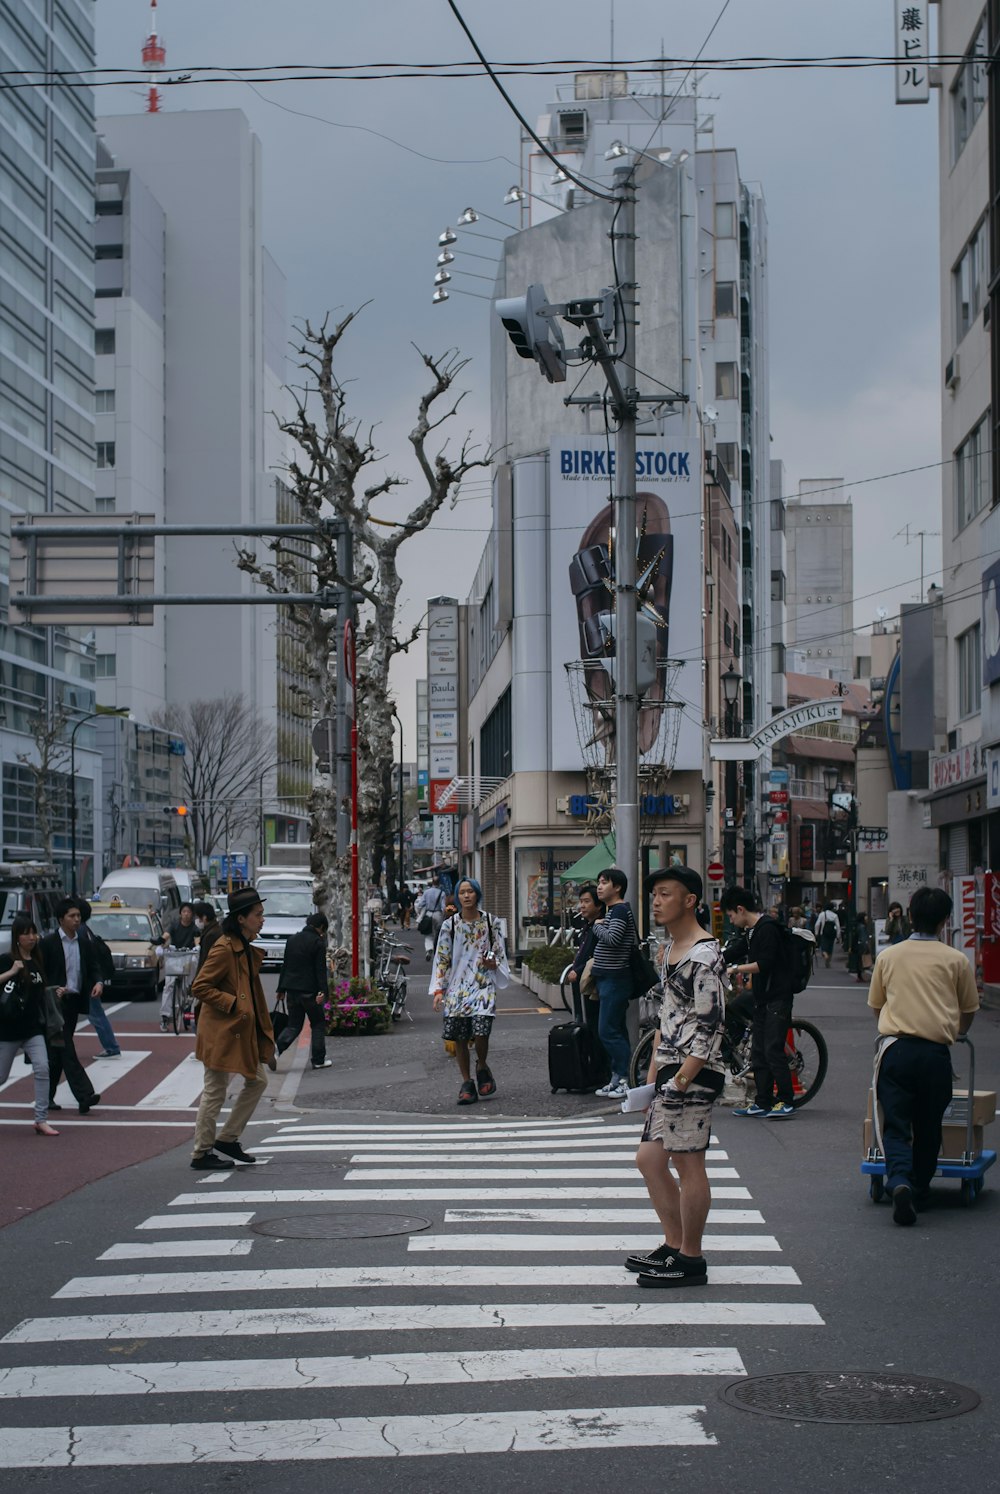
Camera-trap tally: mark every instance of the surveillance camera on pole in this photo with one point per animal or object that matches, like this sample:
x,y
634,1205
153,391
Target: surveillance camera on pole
x,y
528,322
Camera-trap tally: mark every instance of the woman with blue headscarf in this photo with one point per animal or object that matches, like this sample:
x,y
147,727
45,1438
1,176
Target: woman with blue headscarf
x,y
470,965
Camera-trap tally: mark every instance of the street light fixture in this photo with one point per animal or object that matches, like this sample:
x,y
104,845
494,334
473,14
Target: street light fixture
x,y
121,711
731,682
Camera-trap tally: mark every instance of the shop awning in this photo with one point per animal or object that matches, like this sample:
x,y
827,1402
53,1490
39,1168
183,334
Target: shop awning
x,y
592,862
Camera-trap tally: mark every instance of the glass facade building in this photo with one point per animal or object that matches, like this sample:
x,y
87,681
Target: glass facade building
x,y
47,157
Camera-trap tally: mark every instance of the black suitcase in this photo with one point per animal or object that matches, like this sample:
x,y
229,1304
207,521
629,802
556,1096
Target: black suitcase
x,y
577,1060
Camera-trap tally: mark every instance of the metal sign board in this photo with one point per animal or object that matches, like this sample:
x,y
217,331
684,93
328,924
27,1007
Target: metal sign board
x,y
444,726
872,838
444,832
438,789
443,762
735,749
913,74
90,567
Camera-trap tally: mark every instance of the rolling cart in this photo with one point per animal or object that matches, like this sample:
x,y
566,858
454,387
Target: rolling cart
x,y
970,1167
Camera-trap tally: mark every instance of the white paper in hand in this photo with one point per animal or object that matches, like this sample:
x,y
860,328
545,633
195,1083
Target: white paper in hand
x,y
638,1099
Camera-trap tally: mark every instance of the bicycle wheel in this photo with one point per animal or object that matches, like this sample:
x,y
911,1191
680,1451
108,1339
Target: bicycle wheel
x,y
642,1056
807,1060
177,1005
398,1001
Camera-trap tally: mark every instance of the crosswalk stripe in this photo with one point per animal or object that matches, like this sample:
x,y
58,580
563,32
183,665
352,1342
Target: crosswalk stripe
x,y
181,1088
554,1244
230,1376
317,1440
317,1278
415,1195
452,1128
503,1142
432,1137
573,1217
477,1175
640,1310
105,1072
150,1250
479,1159
216,1220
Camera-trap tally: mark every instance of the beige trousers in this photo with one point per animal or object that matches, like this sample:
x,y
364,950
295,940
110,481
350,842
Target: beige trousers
x,y
213,1097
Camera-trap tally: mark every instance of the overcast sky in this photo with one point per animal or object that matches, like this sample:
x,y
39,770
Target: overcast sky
x,y
850,182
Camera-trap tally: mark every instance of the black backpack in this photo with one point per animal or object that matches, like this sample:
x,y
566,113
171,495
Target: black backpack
x,y
800,951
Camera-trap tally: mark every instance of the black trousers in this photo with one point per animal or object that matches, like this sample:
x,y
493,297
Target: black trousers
x,y
771,1021
301,1006
914,1090
64,1061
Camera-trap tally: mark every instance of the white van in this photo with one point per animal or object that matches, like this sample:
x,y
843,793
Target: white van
x,y
143,887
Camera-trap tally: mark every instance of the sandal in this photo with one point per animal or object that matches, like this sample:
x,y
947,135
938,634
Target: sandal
x,y
486,1084
467,1094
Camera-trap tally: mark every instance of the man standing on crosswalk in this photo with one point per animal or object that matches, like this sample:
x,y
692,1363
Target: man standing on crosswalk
x,y
235,1035
689,1074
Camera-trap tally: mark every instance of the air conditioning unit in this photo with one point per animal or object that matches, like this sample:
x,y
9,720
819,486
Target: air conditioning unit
x,y
952,372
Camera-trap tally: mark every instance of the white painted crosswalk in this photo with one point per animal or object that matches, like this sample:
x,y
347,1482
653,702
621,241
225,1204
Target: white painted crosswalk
x,y
526,1216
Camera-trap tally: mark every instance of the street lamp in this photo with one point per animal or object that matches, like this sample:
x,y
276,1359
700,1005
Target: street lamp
x,y
830,777
90,716
399,867
731,681
830,783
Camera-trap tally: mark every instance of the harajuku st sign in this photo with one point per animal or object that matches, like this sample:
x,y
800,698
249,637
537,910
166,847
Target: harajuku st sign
x,y
745,749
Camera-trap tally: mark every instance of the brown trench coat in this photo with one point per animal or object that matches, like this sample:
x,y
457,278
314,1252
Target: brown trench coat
x,y
234,1025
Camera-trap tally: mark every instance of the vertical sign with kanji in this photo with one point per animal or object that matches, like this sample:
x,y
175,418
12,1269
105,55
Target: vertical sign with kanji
x,y
913,81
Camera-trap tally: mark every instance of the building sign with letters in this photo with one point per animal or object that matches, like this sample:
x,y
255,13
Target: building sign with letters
x,y
912,51
953,768
745,749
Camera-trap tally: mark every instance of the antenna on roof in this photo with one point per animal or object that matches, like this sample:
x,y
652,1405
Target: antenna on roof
x,y
154,55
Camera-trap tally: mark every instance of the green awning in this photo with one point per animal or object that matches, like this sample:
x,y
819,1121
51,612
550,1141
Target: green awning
x,y
592,862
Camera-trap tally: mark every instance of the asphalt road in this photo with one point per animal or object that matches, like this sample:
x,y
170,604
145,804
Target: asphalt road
x,y
412,1360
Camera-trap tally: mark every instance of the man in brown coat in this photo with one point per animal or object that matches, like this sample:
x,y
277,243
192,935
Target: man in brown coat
x,y
234,1033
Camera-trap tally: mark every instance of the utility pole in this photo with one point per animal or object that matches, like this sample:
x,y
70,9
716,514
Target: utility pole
x,y
340,767
626,612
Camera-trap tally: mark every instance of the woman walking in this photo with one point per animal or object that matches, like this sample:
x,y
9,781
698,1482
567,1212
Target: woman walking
x,y
827,931
862,948
470,965
22,1014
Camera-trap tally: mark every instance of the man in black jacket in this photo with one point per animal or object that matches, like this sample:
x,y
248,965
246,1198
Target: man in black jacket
x,y
303,980
68,968
772,973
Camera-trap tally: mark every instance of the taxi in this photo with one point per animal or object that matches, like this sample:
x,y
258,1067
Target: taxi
x,y
135,939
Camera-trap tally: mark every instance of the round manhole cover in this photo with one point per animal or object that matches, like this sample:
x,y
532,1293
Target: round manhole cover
x,y
340,1226
851,1397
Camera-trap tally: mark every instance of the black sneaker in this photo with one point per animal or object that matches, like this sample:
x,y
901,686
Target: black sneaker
x,y
209,1162
678,1271
903,1211
89,1105
657,1257
234,1150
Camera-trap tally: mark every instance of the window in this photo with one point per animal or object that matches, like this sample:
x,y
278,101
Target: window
x,y
727,630
725,220
104,340
777,658
108,209
108,251
105,455
777,516
104,401
968,96
495,740
972,475
968,280
725,381
104,505
777,586
107,666
726,453
725,298
970,672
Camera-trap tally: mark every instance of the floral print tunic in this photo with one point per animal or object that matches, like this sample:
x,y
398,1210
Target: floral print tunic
x,y
468,989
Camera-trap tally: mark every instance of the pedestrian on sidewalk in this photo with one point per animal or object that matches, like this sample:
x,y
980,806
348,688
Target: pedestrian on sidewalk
x,y
591,910
827,932
209,928
68,968
305,984
22,1014
405,901
689,1074
430,914
925,995
772,974
897,925
470,965
234,1033
616,936
862,949
103,965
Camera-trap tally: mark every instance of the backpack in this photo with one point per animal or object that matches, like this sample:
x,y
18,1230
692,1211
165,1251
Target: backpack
x,y
800,948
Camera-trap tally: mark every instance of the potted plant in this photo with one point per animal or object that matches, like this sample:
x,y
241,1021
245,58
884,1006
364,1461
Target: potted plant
x,y
355,1006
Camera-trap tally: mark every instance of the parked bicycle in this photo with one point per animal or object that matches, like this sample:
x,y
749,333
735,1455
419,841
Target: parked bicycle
x,y
389,972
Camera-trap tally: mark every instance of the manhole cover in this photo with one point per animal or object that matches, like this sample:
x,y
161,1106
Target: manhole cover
x,y
851,1397
340,1226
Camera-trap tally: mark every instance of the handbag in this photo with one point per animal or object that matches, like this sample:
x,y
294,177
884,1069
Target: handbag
x,y
643,972
426,924
15,999
54,1018
279,1017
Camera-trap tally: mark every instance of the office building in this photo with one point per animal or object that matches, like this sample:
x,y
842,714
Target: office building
x,y
819,540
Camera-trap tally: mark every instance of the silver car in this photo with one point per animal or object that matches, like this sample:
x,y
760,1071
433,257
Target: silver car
x,y
285,912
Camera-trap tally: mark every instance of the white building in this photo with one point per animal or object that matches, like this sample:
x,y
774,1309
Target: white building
x,y
191,312
819,539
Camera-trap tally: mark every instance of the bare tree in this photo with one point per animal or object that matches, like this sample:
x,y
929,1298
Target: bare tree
x,y
49,732
327,481
227,753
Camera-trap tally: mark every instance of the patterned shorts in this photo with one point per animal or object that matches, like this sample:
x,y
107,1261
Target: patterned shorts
x,y
683,1123
460,1029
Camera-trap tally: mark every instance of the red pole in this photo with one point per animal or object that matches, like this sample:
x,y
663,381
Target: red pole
x,y
350,665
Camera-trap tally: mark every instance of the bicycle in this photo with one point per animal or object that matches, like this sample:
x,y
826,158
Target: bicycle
x,y
179,967
805,1049
390,975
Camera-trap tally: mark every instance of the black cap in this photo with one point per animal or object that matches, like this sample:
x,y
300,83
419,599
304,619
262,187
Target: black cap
x,y
686,875
243,900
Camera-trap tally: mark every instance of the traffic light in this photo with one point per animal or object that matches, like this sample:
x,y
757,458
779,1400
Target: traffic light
x,y
534,335
175,809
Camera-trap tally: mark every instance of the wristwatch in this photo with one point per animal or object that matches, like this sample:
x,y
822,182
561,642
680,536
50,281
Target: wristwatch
x,y
682,1081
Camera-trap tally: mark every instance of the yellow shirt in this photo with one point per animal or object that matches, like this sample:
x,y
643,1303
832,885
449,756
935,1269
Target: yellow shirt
x,y
920,988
